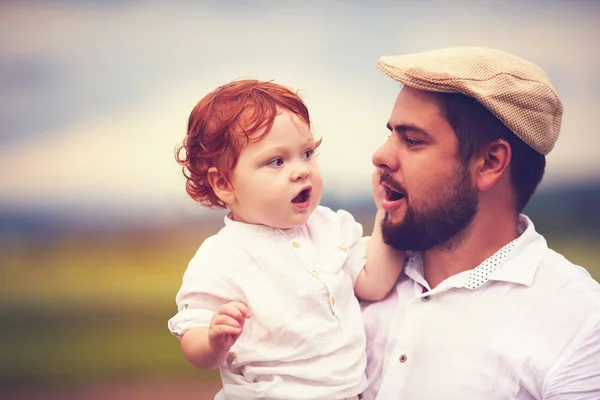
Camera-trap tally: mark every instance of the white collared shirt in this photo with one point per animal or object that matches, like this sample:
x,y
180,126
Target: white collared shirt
x,y
305,339
523,325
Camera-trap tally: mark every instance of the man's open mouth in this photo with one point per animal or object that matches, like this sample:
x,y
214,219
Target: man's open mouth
x,y
303,196
392,195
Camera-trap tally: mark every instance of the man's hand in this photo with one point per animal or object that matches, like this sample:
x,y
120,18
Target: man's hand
x,y
227,325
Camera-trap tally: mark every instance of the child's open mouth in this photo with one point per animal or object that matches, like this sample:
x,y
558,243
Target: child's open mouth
x,y
302,197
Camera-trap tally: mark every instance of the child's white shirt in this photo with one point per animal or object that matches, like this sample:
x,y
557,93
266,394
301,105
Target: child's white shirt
x,y
305,339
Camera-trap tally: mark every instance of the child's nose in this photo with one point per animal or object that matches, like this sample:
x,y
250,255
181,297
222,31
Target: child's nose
x,y
301,172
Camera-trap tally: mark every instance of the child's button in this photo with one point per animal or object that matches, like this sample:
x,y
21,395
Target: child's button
x,y
333,301
315,272
296,244
343,248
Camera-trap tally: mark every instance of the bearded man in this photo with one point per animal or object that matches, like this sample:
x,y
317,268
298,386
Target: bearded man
x,y
483,308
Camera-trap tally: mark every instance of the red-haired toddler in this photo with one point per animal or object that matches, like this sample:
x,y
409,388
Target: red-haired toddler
x,y
271,299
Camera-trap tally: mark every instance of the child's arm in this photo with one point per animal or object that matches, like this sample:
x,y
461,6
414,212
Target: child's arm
x,y
208,347
382,267
384,264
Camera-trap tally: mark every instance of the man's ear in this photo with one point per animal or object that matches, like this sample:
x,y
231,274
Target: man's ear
x,y
493,164
220,185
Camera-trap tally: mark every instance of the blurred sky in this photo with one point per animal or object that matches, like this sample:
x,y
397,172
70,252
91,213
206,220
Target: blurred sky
x,y
95,95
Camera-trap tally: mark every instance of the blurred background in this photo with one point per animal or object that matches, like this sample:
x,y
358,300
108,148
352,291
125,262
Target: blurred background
x,y
95,226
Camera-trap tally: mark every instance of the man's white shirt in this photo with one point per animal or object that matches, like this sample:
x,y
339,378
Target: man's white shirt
x,y
523,325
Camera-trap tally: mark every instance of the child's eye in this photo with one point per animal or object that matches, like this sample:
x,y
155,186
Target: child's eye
x,y
276,162
307,154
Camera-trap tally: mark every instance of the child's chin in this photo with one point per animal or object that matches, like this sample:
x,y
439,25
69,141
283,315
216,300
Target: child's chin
x,y
304,220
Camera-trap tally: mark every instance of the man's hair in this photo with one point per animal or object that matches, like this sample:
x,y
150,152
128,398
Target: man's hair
x,y
223,122
476,128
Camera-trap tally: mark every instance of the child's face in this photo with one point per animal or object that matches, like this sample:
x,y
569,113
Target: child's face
x,y
277,181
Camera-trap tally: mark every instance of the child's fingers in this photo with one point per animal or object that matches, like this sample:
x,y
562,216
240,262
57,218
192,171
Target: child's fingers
x,y
244,309
227,330
231,311
378,191
236,310
227,320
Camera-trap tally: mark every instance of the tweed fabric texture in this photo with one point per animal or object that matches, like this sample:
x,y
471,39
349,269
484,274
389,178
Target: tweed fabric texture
x,y
515,90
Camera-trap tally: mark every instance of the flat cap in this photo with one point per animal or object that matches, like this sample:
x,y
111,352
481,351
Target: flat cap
x,y
515,90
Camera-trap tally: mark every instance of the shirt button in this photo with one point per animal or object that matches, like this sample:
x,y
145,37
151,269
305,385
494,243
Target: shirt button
x,y
425,298
333,301
315,272
402,358
343,248
296,244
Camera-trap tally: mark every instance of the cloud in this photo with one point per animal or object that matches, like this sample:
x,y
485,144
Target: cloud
x,y
98,96
127,160
68,62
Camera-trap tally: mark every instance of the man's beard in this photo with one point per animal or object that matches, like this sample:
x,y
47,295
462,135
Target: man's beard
x,y
441,222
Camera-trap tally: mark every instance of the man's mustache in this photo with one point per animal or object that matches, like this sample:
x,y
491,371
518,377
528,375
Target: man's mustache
x,y
395,186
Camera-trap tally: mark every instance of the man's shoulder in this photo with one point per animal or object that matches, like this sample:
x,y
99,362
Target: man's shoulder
x,y
568,282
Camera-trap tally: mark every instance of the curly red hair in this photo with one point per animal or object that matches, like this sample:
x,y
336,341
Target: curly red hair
x,y
222,123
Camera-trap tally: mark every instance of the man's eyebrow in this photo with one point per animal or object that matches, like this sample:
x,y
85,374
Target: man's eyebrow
x,y
403,128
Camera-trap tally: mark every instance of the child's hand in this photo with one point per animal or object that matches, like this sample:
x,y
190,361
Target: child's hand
x,y
227,325
378,191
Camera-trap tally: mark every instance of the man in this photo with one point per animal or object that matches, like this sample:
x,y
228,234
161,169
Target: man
x,y
483,309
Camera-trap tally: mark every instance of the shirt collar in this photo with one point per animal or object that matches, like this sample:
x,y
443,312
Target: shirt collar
x,y
516,262
237,227
522,263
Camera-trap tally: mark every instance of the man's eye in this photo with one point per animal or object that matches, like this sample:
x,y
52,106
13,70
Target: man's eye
x,y
411,142
277,162
307,154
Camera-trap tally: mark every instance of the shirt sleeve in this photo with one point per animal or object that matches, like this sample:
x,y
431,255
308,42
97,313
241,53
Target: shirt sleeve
x,y
352,234
205,287
578,375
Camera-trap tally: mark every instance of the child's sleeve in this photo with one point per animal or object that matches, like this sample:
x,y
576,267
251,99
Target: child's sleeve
x,y
352,237
207,284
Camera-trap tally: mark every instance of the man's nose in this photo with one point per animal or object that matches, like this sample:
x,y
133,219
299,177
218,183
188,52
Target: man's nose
x,y
385,158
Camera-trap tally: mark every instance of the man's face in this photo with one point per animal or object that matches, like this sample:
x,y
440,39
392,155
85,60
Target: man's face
x,y
430,197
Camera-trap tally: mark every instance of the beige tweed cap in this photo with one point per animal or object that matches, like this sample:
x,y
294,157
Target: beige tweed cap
x,y
516,91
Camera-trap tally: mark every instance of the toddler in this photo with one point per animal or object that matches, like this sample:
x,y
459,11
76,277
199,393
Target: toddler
x,y
271,299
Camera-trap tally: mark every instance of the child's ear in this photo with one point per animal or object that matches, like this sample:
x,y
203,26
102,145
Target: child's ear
x,y
220,185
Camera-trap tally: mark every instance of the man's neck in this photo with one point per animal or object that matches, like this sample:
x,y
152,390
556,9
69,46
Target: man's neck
x,y
487,234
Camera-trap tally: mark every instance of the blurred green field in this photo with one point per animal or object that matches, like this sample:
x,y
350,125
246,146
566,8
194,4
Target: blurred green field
x,y
85,309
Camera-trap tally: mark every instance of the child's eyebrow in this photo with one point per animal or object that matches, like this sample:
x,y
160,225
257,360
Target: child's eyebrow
x,y
310,141
282,149
271,150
